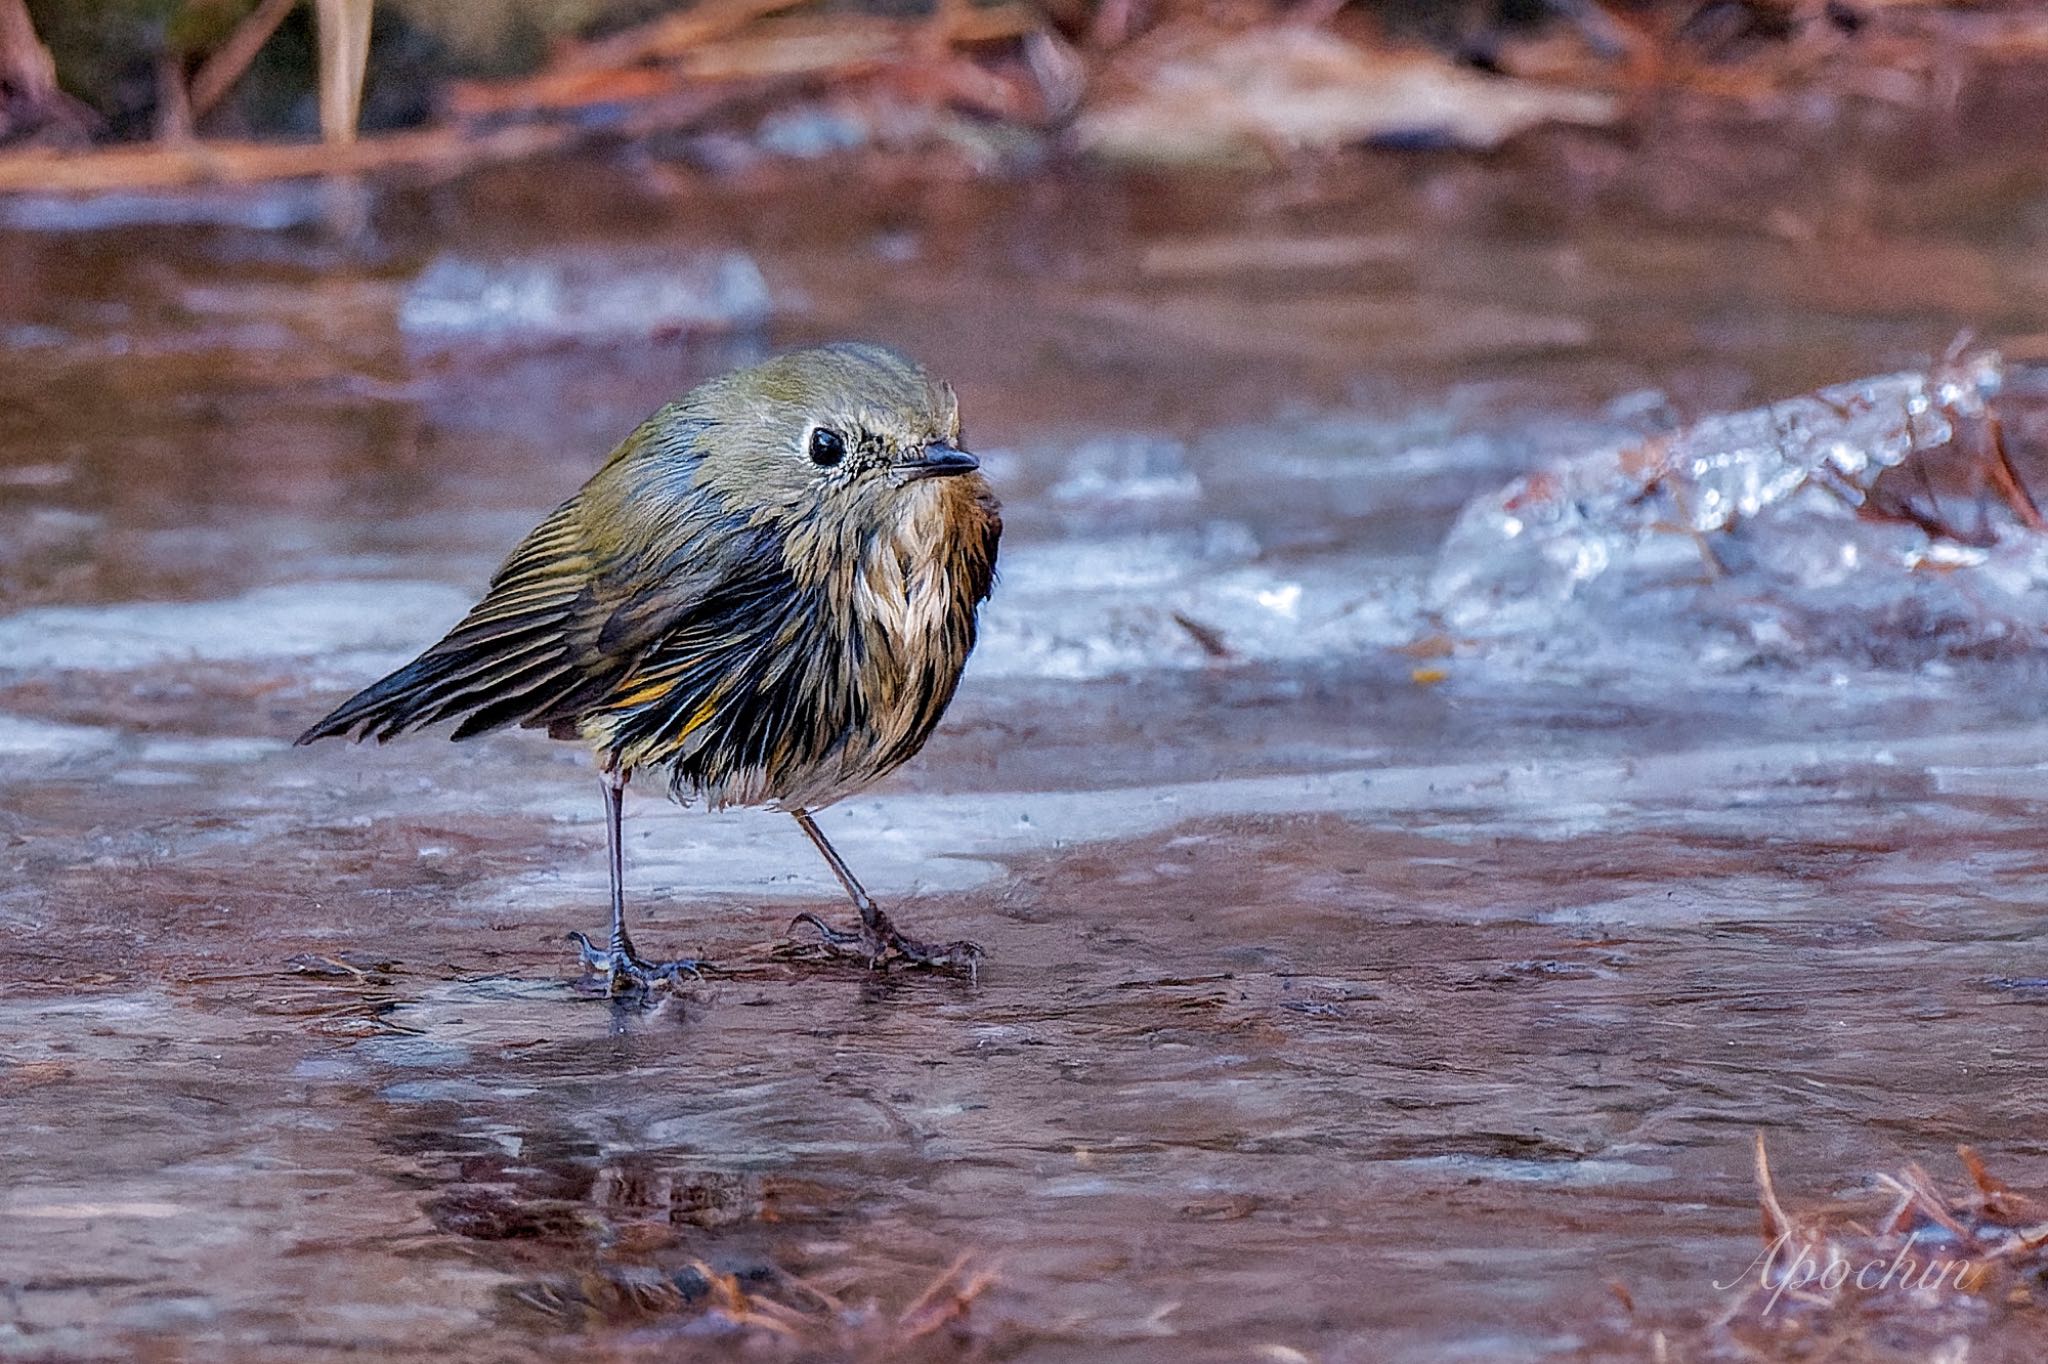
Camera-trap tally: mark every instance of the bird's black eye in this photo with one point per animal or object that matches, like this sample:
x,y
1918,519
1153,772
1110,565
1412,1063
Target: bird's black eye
x,y
827,447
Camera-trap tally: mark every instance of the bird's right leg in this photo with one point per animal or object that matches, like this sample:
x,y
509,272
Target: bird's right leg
x,y
622,969
876,941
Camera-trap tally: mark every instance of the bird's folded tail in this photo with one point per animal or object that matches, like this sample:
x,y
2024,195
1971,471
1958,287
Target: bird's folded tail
x,y
485,688
509,660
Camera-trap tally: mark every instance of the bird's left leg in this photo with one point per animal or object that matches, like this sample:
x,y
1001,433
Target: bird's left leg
x,y
622,969
876,941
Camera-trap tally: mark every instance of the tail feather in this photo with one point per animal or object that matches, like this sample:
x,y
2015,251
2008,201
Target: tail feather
x,y
532,706
379,706
486,692
507,659
461,679
479,678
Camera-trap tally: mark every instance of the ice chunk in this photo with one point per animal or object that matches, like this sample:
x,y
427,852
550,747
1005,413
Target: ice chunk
x,y
459,299
1772,494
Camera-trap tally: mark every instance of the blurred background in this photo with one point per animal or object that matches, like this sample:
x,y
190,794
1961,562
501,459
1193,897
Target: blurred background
x,y
1516,672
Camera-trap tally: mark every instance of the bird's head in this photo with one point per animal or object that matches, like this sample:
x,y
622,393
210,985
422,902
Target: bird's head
x,y
844,431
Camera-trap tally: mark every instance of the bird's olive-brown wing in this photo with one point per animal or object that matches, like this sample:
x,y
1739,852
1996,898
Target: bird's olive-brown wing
x,y
564,623
649,634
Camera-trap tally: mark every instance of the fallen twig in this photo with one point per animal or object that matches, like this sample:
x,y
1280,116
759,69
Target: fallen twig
x,y
434,152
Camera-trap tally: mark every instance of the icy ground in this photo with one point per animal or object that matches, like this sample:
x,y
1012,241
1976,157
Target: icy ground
x,y
1383,960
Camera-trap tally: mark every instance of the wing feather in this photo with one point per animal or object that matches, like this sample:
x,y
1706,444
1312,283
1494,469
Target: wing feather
x,y
567,621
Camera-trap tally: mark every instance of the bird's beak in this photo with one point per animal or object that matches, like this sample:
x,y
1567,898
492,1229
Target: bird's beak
x,y
937,460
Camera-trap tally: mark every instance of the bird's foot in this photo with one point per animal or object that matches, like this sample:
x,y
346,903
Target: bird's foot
x,y
623,971
877,943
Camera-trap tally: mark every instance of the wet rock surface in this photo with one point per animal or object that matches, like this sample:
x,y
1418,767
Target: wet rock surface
x,y
1357,987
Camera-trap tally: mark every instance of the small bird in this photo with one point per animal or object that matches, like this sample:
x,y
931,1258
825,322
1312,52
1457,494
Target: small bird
x,y
769,590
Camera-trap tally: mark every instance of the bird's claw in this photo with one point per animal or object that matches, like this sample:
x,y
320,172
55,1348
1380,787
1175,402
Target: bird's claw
x,y
878,944
622,971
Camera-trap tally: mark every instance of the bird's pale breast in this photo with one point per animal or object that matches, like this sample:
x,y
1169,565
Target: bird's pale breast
x,y
913,597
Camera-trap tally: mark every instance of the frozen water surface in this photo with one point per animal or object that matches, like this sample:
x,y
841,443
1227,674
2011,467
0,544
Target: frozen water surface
x,y
1397,928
